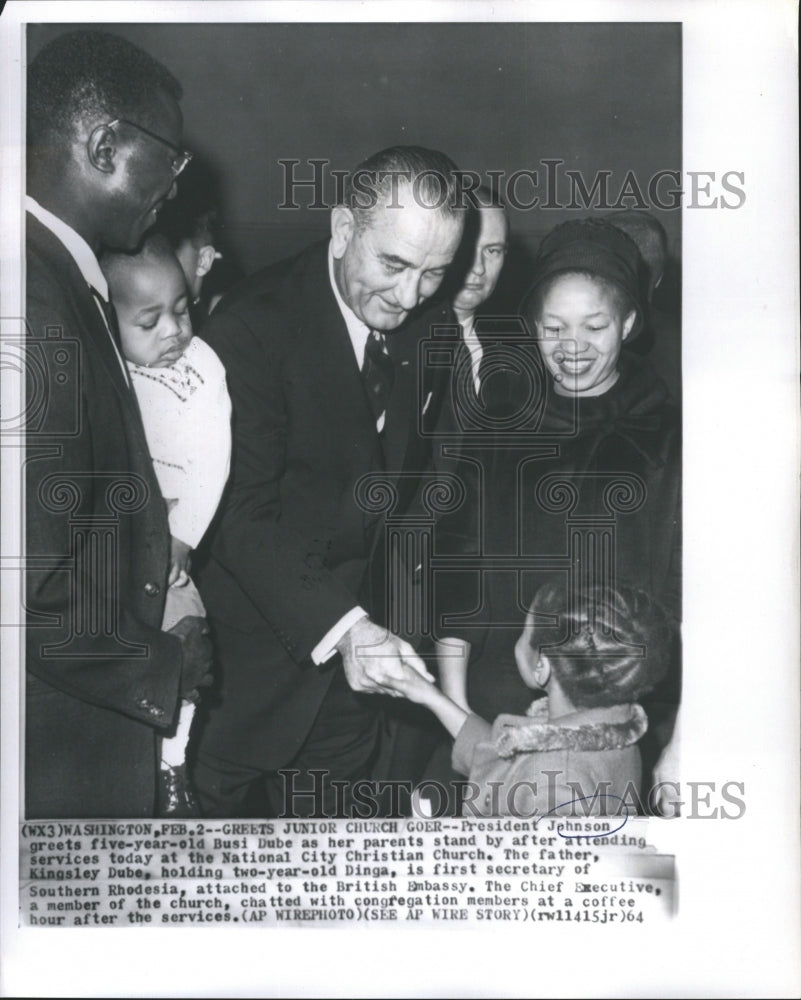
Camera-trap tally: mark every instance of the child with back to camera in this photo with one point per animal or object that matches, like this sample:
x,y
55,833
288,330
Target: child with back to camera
x,y
192,222
186,411
594,654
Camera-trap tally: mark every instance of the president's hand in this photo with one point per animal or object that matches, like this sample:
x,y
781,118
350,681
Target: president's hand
x,y
374,659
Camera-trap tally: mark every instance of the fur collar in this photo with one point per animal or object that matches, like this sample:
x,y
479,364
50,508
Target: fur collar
x,y
586,729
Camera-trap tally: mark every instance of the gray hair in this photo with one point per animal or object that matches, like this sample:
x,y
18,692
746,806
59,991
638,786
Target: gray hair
x,y
432,175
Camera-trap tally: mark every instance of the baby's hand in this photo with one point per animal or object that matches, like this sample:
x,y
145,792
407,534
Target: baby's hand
x,y
179,563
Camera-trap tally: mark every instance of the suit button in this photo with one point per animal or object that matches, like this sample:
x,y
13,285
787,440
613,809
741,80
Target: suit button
x,y
152,710
152,589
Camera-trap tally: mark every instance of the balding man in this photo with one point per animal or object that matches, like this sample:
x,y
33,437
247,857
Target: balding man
x,y
489,249
321,354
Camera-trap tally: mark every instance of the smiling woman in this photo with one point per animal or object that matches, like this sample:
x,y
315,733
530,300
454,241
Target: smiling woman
x,y
588,488
583,304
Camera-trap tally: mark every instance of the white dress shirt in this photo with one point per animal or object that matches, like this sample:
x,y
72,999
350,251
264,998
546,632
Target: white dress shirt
x,y
84,257
473,344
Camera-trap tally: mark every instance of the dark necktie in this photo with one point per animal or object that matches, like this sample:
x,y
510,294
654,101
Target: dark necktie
x,y
378,373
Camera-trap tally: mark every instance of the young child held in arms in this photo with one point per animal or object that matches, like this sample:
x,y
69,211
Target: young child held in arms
x,y
593,657
186,412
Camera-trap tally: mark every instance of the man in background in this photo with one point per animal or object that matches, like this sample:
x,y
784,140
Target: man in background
x,y
495,366
491,228
660,340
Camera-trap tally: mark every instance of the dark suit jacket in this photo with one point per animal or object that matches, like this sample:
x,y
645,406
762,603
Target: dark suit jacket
x,y
102,677
512,377
292,548
582,445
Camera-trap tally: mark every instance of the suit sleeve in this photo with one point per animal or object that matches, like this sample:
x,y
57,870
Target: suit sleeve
x,y
279,569
85,634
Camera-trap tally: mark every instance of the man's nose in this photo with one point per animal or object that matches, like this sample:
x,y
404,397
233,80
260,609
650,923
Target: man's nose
x,y
173,190
478,267
407,290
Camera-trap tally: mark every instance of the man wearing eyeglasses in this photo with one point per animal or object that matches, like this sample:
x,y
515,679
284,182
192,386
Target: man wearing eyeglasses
x,y
104,152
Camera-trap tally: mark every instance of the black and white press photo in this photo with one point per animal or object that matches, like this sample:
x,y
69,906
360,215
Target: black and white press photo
x,y
392,534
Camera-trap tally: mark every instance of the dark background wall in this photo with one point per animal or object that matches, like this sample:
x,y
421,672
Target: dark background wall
x,y
492,96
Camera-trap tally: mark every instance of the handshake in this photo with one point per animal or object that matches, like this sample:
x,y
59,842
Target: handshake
x,y
378,662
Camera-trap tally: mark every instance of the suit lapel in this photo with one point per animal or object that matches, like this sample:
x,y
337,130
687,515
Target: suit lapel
x,y
328,346
69,276
95,338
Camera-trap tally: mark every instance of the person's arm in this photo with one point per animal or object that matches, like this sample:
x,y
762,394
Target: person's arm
x,y
453,656
376,661
411,685
283,572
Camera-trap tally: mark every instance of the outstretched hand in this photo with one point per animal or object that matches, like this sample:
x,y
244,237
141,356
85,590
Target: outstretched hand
x,y
376,661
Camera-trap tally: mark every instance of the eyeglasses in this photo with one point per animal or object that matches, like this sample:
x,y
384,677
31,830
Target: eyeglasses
x,y
179,161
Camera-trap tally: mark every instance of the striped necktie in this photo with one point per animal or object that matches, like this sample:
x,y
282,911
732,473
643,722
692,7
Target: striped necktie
x,y
378,373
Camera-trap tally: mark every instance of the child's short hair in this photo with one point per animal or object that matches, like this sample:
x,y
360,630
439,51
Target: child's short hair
x,y
155,248
610,646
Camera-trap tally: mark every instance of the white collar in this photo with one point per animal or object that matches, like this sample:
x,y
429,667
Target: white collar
x,y
469,327
357,330
76,245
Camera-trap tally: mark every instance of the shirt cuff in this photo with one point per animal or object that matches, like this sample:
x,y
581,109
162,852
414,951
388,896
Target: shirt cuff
x,y
327,646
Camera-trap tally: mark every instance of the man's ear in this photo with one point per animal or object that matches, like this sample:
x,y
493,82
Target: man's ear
x,y
628,323
101,149
205,258
343,226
